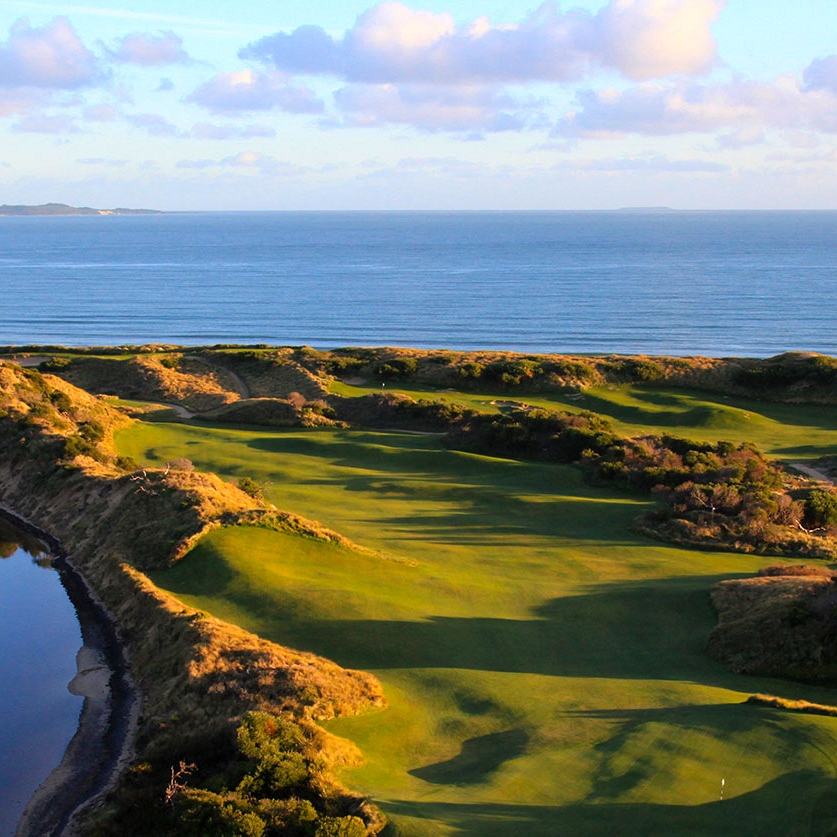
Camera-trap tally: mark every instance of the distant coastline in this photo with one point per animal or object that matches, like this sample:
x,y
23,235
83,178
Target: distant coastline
x,y
66,209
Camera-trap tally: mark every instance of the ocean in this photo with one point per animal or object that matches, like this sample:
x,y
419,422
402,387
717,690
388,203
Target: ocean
x,y
629,282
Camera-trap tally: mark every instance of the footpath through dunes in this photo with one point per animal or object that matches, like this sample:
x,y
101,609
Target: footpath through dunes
x,y
198,677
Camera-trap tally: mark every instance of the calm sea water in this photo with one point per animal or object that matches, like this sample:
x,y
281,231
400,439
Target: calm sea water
x,y
680,283
41,636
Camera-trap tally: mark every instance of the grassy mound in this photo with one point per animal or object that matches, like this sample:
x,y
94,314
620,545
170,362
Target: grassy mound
x,y
543,666
171,377
779,623
198,676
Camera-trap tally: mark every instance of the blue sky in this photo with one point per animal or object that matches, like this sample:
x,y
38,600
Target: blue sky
x,y
477,104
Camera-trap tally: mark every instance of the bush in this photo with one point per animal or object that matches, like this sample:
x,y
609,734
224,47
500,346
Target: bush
x,y
274,776
61,401
261,734
202,813
340,827
249,486
821,508
397,368
92,431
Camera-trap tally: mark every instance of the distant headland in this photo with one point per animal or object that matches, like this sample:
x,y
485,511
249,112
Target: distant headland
x,y
65,209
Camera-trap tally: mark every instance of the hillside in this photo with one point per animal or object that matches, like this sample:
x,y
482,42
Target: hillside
x,y
489,565
716,493
198,676
65,209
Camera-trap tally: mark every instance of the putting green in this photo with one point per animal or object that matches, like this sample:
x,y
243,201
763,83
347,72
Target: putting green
x,y
543,664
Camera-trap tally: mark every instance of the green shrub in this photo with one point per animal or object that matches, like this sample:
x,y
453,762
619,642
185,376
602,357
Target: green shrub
x,y
79,446
61,401
201,813
397,368
249,486
92,430
274,776
821,508
340,827
261,734
292,817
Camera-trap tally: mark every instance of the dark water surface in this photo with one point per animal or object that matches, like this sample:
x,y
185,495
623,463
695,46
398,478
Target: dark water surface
x,y
682,283
40,637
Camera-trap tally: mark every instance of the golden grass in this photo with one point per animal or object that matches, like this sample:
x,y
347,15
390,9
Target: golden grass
x,y
792,705
197,674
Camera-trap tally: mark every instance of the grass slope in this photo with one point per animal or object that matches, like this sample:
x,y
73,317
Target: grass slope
x,y
801,431
544,667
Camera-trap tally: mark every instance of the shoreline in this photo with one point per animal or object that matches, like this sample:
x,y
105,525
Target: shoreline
x,y
103,743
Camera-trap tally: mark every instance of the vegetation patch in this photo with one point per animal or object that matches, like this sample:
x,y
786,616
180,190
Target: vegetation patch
x,y
198,676
779,623
521,629
792,705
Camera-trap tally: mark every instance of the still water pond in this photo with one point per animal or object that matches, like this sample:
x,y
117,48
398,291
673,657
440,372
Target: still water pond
x,y
40,638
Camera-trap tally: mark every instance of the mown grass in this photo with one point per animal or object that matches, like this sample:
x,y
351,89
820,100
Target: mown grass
x,y
544,666
799,431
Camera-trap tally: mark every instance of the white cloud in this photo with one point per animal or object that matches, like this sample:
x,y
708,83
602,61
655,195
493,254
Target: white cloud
x,y
429,108
102,113
17,101
110,162
51,56
246,90
656,109
153,123
206,130
248,161
740,138
646,39
650,164
149,50
822,74
392,43
42,124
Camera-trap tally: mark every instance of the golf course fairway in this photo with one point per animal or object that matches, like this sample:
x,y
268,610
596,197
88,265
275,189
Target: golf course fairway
x,y
543,665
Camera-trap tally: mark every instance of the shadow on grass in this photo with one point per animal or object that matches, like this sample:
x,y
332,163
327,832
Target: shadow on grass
x,y
799,803
479,758
687,416
611,780
629,630
713,410
467,499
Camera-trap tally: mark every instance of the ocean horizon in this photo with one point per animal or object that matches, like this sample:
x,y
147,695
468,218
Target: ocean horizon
x,y
631,281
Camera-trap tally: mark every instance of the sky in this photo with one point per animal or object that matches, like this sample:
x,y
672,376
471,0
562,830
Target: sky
x,y
423,104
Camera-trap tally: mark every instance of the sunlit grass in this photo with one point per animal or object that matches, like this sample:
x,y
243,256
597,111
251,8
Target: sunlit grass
x,y
783,430
544,666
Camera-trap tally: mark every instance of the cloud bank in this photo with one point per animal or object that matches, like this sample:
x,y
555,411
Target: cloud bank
x,y
147,50
246,90
392,43
50,56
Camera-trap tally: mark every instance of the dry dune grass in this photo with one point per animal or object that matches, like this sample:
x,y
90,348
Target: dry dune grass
x,y
792,705
197,675
171,378
778,623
